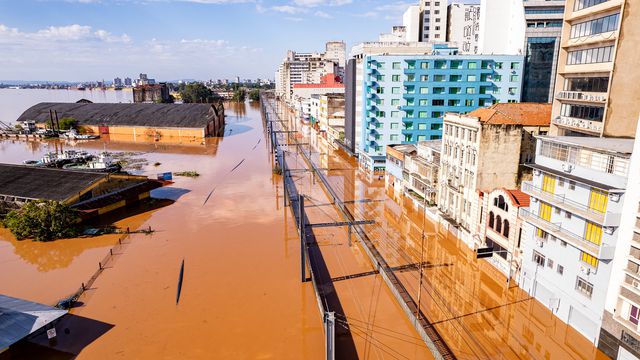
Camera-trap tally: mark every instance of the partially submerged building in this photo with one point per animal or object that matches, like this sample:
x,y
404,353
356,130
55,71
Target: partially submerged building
x,y
91,193
21,318
138,120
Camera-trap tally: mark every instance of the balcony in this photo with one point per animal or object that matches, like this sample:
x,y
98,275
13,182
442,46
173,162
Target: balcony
x,y
602,252
605,219
590,97
372,71
409,71
372,107
372,95
578,124
373,83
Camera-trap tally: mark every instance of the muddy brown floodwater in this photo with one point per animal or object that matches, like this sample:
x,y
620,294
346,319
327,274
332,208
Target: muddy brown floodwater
x,y
241,295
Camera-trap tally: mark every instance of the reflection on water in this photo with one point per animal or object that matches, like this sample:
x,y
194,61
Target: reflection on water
x,y
466,298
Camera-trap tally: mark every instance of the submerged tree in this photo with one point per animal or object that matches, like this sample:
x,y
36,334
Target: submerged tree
x,y
239,94
254,95
197,93
42,220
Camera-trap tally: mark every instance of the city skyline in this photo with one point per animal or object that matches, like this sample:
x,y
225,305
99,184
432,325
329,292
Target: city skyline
x,y
84,40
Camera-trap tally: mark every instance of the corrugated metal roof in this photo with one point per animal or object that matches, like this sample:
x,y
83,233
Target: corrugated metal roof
x,y
151,115
44,183
19,318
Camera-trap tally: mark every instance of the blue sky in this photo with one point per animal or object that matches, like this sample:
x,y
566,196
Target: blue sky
x,y
82,40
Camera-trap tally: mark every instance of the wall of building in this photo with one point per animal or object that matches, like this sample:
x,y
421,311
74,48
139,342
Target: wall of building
x,y
464,27
138,131
503,37
411,21
624,94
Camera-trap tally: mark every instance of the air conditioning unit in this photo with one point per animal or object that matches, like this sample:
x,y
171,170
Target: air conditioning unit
x,y
566,167
540,243
608,230
535,200
635,283
536,172
585,270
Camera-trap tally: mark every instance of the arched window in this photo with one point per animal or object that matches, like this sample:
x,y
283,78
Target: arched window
x,y
495,201
505,230
502,204
498,224
491,220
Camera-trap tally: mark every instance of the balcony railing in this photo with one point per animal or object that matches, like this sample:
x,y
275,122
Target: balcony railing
x,y
595,97
602,252
580,124
604,219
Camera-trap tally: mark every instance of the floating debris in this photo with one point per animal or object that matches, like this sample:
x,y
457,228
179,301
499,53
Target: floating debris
x,y
191,173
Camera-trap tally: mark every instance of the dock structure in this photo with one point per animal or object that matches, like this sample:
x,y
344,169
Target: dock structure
x,y
138,119
91,193
21,318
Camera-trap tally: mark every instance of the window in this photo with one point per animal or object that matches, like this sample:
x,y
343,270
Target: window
x,y
454,102
438,90
548,183
394,137
455,90
550,263
505,228
590,56
422,126
472,65
424,78
455,78
380,102
440,64
593,233
436,114
538,258
424,65
560,269
572,185
514,78
515,66
423,114
598,200
468,102
634,314
587,84
380,114
439,78
595,26
513,91
380,65
471,77
581,4
496,90
395,65
395,102
485,64
497,77
589,259
498,224
395,78
471,90
395,90
423,102
584,287
395,114
424,90
456,64
567,215
498,65
437,102
394,126
380,77
491,219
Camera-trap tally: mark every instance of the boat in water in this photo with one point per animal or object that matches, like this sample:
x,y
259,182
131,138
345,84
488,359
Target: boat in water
x,y
74,135
54,159
102,163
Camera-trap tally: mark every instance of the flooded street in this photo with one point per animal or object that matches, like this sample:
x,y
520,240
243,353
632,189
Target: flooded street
x,y
241,296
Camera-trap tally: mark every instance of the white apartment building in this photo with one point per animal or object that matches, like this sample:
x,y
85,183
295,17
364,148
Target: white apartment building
x,y
411,22
464,27
434,20
577,193
502,27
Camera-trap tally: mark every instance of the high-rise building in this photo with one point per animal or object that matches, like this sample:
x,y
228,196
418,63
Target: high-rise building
x,y
502,27
117,82
403,97
463,29
309,68
433,16
128,82
598,77
411,20
542,45
578,255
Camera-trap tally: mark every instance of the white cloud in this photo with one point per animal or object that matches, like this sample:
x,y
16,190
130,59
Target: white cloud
x,y
289,9
322,14
71,52
313,3
291,18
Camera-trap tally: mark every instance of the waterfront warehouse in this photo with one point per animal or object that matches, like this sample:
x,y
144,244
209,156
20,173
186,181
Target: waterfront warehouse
x,y
153,120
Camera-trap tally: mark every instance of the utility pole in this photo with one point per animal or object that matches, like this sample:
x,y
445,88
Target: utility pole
x,y
303,244
424,216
